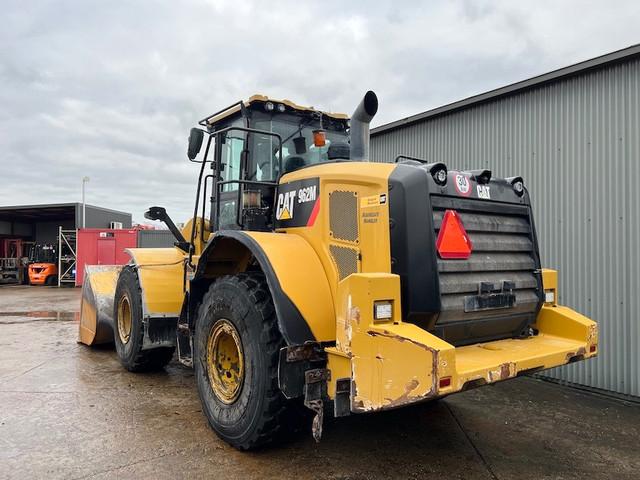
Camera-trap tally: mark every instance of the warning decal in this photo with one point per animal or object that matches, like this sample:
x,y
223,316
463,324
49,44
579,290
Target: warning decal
x,y
462,183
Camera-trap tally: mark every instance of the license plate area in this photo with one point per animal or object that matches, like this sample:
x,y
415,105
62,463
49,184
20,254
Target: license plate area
x,y
491,301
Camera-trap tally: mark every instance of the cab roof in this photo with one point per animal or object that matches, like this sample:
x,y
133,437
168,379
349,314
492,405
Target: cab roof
x,y
259,100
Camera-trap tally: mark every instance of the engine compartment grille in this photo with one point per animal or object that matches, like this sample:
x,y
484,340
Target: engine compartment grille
x,y
503,262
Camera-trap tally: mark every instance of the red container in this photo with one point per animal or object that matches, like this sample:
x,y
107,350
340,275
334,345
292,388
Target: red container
x,y
98,246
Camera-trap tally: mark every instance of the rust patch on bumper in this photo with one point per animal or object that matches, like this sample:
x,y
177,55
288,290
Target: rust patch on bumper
x,y
506,370
575,356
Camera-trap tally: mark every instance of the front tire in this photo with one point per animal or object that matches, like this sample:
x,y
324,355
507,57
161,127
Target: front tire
x,y
237,344
128,330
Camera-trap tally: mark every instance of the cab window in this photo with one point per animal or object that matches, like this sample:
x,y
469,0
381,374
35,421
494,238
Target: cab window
x,y
231,151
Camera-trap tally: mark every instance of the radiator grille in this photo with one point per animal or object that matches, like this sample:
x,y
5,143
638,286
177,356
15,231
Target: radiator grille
x,y
346,260
343,215
503,251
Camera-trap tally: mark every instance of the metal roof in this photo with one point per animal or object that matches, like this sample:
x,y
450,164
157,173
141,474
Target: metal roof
x,y
44,212
576,69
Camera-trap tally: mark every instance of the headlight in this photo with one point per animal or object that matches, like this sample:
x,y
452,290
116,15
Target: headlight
x,y
440,177
517,184
438,170
518,187
269,106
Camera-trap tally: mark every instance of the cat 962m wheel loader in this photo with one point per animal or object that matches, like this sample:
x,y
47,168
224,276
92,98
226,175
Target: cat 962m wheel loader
x,y
309,275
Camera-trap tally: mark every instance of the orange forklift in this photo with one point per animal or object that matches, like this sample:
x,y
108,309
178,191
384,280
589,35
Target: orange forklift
x,y
43,265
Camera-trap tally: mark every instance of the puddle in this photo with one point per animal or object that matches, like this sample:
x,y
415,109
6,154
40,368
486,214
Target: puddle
x,y
44,315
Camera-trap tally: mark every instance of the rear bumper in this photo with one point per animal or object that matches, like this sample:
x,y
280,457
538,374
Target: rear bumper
x,y
39,272
392,364
486,363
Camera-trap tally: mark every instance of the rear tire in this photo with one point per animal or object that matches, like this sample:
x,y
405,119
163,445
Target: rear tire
x,y
249,413
128,330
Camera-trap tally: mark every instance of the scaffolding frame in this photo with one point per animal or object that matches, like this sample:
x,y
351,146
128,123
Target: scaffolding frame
x,y
67,257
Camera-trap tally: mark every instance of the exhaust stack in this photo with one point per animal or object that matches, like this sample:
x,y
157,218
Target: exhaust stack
x,y
359,132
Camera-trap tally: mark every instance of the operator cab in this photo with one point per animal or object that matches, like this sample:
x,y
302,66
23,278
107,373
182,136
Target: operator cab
x,y
251,145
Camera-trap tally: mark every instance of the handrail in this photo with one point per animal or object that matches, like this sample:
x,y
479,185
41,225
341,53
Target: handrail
x,y
407,157
217,172
204,123
204,206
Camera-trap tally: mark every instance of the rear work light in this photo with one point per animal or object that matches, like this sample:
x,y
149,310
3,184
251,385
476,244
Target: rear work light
x,y
382,310
453,241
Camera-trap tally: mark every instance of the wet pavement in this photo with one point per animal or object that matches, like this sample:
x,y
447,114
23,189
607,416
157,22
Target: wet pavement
x,y
68,411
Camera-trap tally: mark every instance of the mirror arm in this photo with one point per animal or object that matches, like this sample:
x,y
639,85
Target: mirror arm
x,y
159,213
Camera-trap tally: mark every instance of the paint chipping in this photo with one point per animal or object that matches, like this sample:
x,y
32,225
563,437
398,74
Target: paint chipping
x,y
387,334
505,370
406,397
354,315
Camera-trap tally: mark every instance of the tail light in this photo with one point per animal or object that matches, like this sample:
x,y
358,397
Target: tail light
x,y
453,241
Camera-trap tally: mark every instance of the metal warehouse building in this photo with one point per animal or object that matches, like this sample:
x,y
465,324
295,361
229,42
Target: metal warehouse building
x,y
40,223
574,136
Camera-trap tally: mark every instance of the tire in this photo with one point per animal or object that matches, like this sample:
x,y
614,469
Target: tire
x,y
253,415
128,335
51,281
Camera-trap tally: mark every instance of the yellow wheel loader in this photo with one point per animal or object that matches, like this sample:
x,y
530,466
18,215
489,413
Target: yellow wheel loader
x,y
311,276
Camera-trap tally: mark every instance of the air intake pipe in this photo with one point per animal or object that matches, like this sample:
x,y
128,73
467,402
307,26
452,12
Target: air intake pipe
x,y
359,130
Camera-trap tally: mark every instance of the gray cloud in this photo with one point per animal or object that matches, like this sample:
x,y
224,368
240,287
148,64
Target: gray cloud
x,y
110,89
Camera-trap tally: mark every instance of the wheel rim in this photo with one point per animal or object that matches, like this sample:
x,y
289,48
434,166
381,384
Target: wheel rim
x,y
124,319
225,362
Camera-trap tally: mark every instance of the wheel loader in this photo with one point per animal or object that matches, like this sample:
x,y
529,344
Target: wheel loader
x,y
313,279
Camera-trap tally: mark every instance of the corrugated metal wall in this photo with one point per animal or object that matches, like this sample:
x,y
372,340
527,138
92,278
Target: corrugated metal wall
x,y
155,239
576,142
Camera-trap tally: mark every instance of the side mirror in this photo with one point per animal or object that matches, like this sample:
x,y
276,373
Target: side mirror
x,y
155,213
195,143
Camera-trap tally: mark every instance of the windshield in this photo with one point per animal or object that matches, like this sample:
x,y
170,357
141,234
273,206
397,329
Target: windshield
x,y
298,148
42,254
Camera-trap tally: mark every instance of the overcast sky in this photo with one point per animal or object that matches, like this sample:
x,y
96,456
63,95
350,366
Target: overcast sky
x,y
110,89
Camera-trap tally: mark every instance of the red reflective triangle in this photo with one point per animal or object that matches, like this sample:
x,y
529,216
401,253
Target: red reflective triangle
x,y
453,241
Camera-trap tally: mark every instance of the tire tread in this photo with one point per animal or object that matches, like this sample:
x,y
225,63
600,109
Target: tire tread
x,y
271,418
144,360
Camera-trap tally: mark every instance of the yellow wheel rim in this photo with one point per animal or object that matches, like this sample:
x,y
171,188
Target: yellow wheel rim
x,y
124,319
225,363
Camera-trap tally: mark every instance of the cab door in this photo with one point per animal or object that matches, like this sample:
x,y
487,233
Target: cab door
x,y
231,147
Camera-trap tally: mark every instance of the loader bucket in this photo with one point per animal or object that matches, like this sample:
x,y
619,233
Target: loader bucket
x,y
96,309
